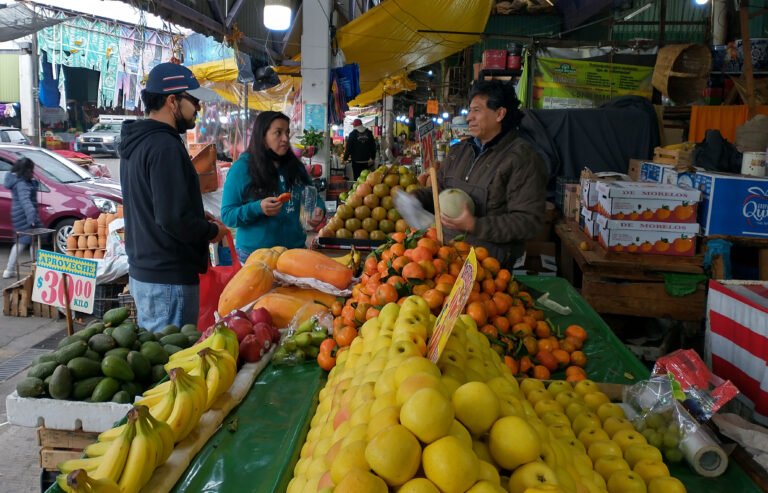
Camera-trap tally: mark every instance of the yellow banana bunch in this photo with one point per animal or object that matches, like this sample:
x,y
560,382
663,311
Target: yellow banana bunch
x,y
217,366
222,369
89,465
143,456
113,460
189,403
166,437
222,338
350,260
78,481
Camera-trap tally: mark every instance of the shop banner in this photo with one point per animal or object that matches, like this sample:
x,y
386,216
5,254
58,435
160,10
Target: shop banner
x,y
560,84
460,292
49,281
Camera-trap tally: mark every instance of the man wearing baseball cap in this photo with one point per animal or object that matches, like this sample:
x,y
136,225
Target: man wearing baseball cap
x,y
361,148
166,229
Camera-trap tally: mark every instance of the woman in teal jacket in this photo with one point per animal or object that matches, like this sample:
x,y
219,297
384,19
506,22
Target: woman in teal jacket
x,y
250,200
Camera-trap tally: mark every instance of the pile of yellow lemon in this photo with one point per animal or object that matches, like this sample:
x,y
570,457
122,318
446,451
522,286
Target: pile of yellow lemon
x,y
389,419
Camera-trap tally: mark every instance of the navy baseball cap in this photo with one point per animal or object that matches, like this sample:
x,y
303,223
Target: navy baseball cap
x,y
171,78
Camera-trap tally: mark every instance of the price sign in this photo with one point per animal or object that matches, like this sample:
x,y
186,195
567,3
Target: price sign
x,y
460,292
49,281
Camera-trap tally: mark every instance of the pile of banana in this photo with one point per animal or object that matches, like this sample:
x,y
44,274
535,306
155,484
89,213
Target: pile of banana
x,y
125,461
78,481
350,260
127,455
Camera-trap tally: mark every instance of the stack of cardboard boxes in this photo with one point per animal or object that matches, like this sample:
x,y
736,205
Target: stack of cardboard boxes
x,y
639,217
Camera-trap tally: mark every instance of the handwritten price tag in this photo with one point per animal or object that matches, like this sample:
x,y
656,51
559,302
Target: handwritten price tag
x,y
49,281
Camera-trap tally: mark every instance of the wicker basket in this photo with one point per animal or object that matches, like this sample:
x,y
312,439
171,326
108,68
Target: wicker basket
x,y
681,72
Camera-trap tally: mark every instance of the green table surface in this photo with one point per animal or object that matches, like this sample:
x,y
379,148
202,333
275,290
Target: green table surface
x,y
273,419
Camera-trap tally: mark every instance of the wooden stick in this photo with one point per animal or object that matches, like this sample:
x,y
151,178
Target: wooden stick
x,y
68,311
435,193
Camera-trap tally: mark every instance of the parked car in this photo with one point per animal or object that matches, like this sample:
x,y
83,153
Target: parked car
x,y
104,137
13,136
67,193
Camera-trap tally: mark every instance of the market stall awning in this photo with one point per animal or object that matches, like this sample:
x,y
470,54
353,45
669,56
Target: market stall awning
x,y
393,39
17,21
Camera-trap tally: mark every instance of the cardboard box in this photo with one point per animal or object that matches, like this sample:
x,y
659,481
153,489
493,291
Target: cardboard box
x,y
589,181
634,169
588,223
648,237
667,173
571,204
733,205
539,260
495,59
639,201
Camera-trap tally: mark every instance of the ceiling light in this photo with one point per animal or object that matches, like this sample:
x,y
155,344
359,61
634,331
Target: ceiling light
x,y
429,73
277,14
445,115
701,2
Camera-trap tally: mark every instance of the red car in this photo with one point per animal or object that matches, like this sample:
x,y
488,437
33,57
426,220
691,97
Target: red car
x,y
67,192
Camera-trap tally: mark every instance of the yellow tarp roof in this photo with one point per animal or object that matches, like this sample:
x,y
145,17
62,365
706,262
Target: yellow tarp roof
x,y
386,44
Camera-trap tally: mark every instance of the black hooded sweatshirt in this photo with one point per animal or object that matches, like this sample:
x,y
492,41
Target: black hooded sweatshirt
x,y
166,232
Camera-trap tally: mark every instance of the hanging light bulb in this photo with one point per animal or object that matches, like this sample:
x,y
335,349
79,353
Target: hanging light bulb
x,y
277,14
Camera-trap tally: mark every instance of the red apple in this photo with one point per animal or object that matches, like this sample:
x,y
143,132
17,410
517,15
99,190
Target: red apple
x,y
260,315
263,334
273,333
251,349
240,326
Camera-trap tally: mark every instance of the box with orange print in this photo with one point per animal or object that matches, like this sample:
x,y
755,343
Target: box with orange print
x,y
647,237
654,202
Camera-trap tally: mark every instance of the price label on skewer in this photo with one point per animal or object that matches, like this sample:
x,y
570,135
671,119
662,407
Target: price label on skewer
x,y
49,286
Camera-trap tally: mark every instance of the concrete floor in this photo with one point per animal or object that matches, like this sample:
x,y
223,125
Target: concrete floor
x,y
19,468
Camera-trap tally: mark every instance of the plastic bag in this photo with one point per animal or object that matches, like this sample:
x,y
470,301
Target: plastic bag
x,y
704,391
308,204
663,421
301,340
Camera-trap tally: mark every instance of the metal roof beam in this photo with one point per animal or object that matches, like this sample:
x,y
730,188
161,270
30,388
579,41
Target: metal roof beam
x,y
233,13
216,11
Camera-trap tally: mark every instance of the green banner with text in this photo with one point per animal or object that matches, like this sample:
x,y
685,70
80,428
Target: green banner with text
x,y
560,83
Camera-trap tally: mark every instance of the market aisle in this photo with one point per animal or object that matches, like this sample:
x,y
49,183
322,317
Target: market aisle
x,y
20,470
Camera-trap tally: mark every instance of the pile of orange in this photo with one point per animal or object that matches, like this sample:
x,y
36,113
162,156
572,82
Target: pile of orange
x,y
415,263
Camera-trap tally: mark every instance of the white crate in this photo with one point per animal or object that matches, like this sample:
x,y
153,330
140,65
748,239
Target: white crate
x,y
64,415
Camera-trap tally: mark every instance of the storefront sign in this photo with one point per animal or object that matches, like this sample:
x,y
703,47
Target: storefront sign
x,y
462,288
560,83
432,107
49,281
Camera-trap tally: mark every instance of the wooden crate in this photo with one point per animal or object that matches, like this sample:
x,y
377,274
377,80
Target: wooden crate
x,y
18,298
18,302
60,445
675,157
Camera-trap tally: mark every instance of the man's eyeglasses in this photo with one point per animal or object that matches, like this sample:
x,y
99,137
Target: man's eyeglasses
x,y
190,98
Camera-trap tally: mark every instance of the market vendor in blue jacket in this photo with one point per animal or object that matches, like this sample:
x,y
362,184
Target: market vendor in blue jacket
x,y
257,182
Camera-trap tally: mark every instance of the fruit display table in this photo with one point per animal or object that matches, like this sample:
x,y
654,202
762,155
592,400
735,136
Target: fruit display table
x,y
259,442
625,283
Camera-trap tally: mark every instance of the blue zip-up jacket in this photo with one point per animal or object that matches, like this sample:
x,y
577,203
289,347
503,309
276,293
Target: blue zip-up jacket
x,y
254,228
23,205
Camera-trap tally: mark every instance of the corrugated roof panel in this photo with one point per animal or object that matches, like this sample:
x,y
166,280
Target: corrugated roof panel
x,y
9,78
676,10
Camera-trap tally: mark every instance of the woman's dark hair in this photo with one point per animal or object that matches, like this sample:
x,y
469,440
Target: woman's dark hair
x,y
261,170
23,168
152,101
500,95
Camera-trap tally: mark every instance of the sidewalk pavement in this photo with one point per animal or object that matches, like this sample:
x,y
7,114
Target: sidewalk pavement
x,y
20,469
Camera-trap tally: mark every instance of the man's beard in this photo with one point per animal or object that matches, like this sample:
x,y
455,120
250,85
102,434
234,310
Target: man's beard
x,y
182,124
